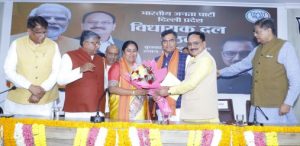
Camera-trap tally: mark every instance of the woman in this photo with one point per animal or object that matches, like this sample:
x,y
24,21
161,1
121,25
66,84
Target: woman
x,y
126,102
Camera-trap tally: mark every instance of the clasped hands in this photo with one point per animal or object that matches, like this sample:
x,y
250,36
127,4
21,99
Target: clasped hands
x,y
162,92
37,93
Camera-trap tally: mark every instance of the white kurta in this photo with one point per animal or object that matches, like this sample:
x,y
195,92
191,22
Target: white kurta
x,y
20,81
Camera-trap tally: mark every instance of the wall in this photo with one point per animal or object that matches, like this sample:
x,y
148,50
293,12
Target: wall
x,y
294,38
5,16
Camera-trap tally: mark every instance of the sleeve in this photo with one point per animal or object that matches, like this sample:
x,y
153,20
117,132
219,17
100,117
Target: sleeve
x,y
51,80
114,72
204,67
66,74
10,66
239,67
287,56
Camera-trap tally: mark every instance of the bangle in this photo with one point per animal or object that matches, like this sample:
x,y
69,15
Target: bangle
x,y
133,92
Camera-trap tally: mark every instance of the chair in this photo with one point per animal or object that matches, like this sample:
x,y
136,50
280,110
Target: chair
x,y
226,112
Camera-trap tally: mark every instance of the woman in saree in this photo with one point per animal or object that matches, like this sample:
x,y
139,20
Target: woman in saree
x,y
126,101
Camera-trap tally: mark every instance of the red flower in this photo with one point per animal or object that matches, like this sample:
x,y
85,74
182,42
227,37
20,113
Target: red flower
x,y
150,81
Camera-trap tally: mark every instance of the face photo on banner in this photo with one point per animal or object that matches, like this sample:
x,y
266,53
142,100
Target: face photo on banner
x,y
154,19
233,51
58,17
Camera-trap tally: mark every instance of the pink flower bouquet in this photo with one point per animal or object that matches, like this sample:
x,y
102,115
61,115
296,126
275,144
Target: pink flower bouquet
x,y
148,76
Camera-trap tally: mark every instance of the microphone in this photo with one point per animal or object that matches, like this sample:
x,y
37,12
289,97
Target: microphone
x,y
98,118
255,122
12,88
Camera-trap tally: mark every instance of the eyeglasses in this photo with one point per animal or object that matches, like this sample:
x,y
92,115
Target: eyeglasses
x,y
168,41
101,22
94,43
259,31
39,33
190,44
231,54
109,54
56,18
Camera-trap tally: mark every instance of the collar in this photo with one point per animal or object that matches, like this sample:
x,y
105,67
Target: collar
x,y
110,40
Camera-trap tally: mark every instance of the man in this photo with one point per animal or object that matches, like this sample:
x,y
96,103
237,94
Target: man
x,y
58,18
82,72
199,88
103,23
32,65
276,80
185,50
111,56
234,50
176,62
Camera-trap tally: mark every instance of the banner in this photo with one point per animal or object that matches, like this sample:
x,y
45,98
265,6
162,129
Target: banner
x,y
228,30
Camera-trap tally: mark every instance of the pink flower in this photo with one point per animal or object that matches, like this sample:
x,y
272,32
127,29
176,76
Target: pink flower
x,y
149,76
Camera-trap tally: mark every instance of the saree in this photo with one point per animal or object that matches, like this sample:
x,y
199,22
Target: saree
x,y
125,107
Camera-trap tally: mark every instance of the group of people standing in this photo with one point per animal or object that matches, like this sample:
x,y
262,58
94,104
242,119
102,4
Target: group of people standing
x,y
34,66
94,82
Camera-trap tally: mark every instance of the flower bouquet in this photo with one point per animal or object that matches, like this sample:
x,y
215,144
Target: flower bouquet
x,y
148,76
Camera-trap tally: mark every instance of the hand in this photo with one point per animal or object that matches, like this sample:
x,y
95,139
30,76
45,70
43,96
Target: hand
x,y
163,91
107,115
218,73
284,109
155,97
34,99
140,92
37,90
87,67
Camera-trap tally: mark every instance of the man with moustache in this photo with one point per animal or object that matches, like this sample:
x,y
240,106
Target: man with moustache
x,y
82,72
175,62
32,65
233,51
103,23
58,18
276,80
199,88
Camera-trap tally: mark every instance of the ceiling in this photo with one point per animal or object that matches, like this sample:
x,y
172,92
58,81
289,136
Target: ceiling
x,y
225,2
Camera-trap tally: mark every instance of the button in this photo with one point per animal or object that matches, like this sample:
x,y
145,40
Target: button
x,y
36,77
261,55
36,67
258,62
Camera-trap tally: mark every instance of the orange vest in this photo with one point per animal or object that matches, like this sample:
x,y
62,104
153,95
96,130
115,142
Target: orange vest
x,y
83,95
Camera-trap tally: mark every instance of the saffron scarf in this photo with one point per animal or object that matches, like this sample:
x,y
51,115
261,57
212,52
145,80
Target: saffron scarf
x,y
124,101
173,68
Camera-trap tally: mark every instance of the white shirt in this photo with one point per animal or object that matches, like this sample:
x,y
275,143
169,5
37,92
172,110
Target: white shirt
x,y
10,67
105,44
67,74
107,67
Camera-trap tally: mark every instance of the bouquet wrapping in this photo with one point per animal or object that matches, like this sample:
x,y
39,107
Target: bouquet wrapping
x,y
148,76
